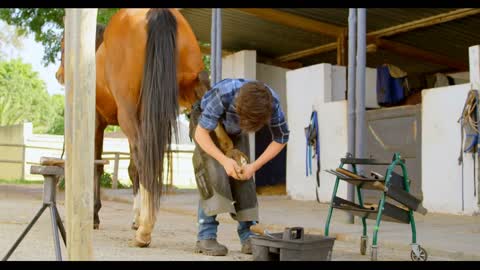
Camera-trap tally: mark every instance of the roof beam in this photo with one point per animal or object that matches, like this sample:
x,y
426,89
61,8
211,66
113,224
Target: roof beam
x,y
425,22
295,21
413,52
390,31
313,51
206,50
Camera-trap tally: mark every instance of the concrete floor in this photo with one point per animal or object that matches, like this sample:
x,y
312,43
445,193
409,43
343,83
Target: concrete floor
x,y
445,237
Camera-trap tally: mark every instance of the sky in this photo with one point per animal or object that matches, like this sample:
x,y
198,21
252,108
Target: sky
x,y
32,53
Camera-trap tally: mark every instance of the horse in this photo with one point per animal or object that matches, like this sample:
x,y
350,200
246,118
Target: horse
x,y
148,66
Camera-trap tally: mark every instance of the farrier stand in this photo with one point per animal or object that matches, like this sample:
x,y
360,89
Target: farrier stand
x,y
51,175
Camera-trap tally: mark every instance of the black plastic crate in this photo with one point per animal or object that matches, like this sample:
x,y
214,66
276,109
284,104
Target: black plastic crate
x,y
292,245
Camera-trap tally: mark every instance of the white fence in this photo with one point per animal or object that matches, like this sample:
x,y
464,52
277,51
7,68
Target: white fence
x,y
21,149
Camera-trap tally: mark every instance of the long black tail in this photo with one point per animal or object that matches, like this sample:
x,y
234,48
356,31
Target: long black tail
x,y
158,104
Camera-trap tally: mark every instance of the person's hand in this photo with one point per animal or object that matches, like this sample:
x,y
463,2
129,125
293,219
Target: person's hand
x,y
247,171
231,168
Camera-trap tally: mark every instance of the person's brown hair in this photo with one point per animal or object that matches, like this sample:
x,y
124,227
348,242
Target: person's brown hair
x,y
254,106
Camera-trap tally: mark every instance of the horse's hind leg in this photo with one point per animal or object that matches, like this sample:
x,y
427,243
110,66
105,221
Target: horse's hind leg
x,y
127,119
98,171
133,173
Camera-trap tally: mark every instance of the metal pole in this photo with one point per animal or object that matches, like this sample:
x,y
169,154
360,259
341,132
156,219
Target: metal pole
x,y
218,47
352,29
360,86
213,44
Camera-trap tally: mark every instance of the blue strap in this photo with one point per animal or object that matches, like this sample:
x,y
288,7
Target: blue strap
x,y
308,157
317,146
474,142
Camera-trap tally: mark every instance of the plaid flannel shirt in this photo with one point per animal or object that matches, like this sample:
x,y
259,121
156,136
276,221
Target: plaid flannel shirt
x,y
218,104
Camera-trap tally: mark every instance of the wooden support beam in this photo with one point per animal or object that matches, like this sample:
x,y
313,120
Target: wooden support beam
x,y
426,22
342,47
205,49
401,28
295,21
80,75
273,62
371,48
313,51
413,52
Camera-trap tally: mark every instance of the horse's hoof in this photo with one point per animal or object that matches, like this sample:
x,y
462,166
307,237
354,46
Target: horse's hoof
x,y
238,156
134,226
136,243
96,226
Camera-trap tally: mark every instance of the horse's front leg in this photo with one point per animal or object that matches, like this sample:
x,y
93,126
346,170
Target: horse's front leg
x,y
98,171
226,145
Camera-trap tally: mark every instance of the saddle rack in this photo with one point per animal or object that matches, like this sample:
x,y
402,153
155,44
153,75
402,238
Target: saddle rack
x,y
392,185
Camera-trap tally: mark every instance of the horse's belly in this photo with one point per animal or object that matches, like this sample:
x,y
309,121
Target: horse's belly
x,y
107,108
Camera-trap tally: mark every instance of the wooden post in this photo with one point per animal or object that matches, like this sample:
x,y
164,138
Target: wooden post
x,y
342,47
80,29
474,57
115,171
24,160
474,54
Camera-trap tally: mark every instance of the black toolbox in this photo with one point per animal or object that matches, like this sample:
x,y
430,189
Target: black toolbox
x,y
292,245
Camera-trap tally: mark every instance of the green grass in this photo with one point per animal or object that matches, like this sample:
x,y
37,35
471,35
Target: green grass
x,y
20,181
105,181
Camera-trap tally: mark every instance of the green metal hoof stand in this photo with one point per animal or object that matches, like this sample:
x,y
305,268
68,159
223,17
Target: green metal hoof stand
x,y
393,186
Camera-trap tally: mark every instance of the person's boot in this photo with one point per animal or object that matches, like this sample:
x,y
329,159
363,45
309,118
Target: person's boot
x,y
247,247
211,247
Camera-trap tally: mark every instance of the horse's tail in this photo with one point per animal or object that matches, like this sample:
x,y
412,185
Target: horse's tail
x,y
158,103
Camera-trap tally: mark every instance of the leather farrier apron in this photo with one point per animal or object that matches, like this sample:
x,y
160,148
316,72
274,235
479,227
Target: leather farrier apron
x,y
220,193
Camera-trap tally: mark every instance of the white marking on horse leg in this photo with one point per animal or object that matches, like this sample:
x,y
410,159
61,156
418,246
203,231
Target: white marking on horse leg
x,y
136,208
147,218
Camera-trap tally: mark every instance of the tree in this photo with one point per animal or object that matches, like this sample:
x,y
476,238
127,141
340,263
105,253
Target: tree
x,y
46,24
58,123
9,38
23,97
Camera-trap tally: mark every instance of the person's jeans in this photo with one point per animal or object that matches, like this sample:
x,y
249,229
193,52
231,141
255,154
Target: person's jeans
x,y
208,225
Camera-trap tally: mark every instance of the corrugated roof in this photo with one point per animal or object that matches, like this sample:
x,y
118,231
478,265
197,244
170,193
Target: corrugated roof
x,y
377,18
452,38
243,31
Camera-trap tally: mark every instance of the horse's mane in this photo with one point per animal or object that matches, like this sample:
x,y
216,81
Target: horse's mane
x,y
99,35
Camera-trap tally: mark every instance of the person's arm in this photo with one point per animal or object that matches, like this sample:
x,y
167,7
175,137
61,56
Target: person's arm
x,y
203,139
213,108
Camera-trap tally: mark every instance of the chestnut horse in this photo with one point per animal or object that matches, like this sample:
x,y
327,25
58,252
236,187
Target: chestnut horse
x,y
147,66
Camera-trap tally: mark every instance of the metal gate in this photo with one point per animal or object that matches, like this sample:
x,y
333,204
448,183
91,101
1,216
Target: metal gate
x,y
397,129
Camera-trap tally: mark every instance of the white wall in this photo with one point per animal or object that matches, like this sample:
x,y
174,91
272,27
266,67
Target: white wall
x,y
276,78
307,89
339,85
332,122
240,65
441,174
12,166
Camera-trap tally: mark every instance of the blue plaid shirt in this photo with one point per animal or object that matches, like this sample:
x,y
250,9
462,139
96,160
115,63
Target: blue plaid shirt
x,y
218,104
